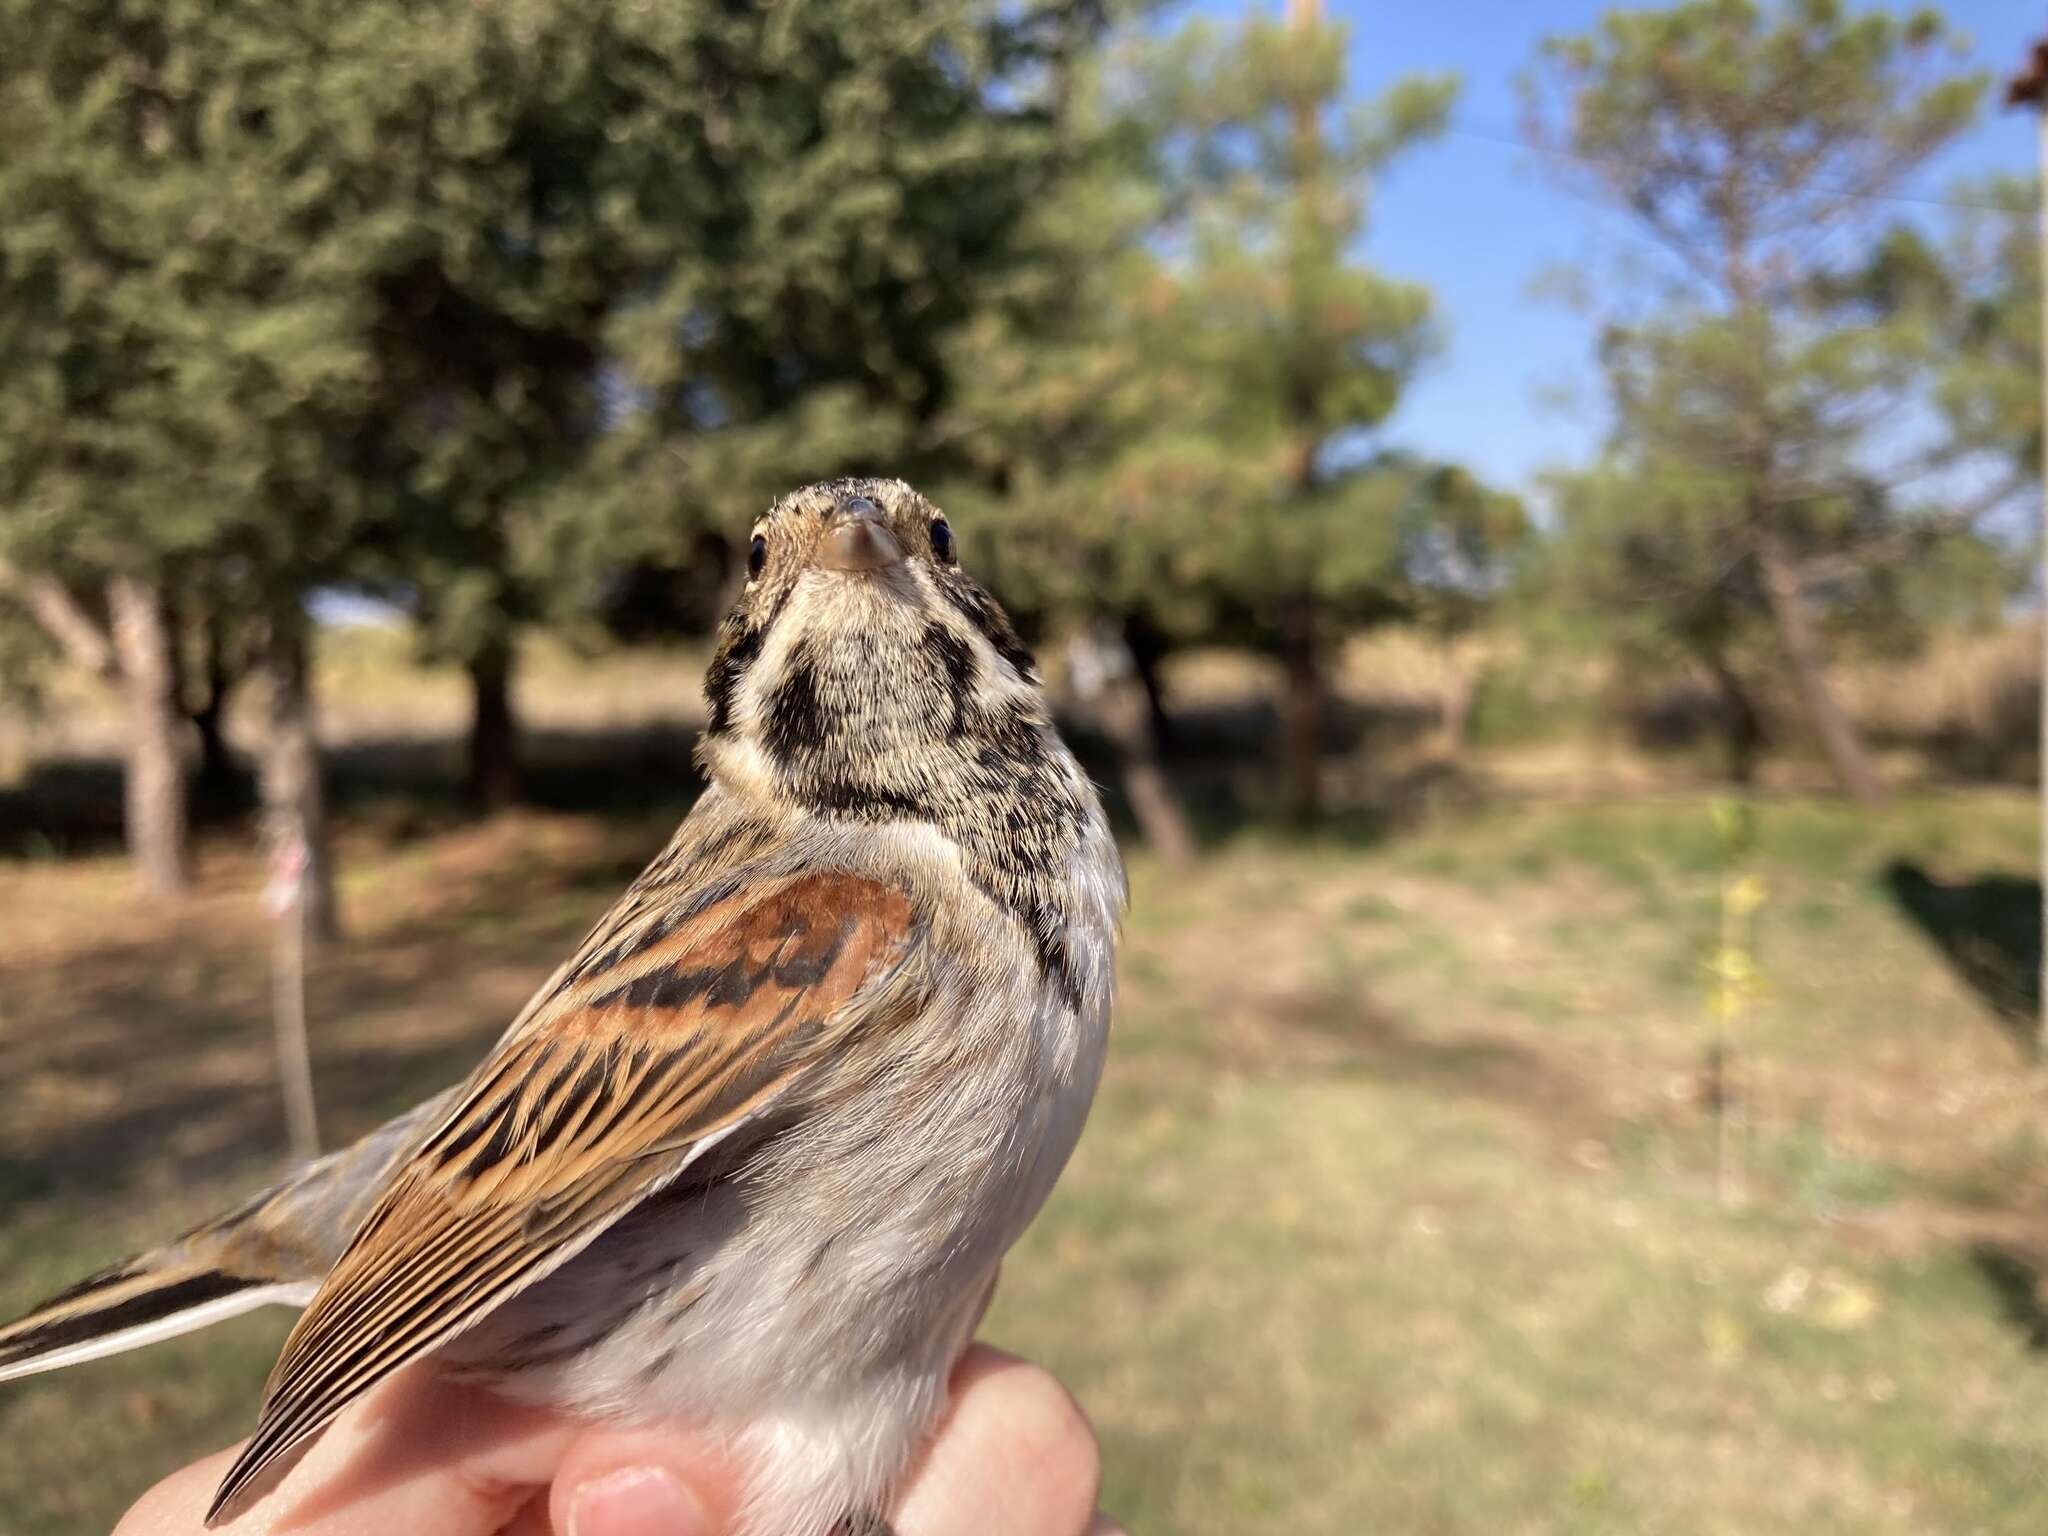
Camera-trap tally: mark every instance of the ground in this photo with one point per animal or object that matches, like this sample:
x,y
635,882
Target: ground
x,y
1399,1209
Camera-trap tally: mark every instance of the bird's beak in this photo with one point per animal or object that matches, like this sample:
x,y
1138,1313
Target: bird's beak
x,y
858,539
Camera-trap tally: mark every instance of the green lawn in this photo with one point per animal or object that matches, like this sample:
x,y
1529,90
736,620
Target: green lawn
x,y
1398,1211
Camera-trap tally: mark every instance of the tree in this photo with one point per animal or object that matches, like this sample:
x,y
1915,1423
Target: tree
x,y
1759,399
181,302
1191,445
471,304
97,511
652,265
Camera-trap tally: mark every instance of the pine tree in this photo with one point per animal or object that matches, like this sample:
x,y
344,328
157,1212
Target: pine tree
x,y
650,266
1752,469
473,305
1180,430
173,345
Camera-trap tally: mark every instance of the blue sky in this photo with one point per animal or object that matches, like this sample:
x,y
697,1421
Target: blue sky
x,y
1475,216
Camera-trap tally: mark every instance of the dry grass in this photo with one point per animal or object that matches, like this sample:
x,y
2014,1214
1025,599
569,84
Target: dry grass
x,y
1977,692
372,687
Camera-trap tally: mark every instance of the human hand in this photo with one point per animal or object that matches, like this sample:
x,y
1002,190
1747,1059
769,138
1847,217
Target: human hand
x,y
1013,1457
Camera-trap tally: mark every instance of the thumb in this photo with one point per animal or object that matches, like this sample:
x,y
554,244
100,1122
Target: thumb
x,y
644,1482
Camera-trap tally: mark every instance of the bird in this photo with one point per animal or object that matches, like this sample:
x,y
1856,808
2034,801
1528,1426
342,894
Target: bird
x,y
750,1158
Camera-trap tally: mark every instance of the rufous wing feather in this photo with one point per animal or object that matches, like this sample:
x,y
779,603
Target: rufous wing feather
x,y
663,1036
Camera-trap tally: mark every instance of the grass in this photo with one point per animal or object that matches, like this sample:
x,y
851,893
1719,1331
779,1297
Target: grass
x,y
1397,1211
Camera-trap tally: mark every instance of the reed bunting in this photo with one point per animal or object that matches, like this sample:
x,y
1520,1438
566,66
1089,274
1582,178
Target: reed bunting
x,y
750,1157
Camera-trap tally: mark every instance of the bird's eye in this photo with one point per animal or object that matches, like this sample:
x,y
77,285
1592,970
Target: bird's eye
x,y
942,542
757,556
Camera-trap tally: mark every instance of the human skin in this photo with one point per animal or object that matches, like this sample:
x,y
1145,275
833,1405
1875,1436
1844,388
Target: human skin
x,y
1014,1456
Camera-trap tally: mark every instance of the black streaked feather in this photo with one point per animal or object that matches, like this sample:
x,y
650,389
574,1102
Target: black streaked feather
x,y
954,660
981,611
149,1306
795,714
722,680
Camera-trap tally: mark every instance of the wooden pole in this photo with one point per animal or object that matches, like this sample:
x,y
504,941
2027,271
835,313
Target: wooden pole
x,y
2029,88
2041,981
288,989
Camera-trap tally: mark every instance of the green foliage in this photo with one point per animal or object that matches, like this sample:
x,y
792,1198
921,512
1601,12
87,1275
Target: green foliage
x,y
716,254
177,344
1178,422
1992,395
27,658
1766,457
478,303
1977,289
1760,122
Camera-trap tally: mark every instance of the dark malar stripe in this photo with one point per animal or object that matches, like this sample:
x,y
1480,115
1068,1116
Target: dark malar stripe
x,y
723,678
981,611
795,714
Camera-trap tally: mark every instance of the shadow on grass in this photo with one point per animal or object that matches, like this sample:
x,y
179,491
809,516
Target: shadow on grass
x,y
221,1134
2015,1279
616,771
156,1039
1220,759
126,1010
1989,931
71,807
68,807
1342,1031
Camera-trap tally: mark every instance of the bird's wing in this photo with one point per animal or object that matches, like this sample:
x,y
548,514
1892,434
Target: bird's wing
x,y
671,1028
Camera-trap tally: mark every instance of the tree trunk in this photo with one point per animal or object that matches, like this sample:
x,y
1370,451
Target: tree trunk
x,y
1742,723
294,806
1106,675
1301,707
1148,648
153,792
217,775
492,782
1454,714
1801,646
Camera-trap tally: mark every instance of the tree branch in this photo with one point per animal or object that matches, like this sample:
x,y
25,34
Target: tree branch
x,y
62,616
1906,541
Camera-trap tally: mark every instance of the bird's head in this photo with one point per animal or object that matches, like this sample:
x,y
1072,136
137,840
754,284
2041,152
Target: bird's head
x,y
861,669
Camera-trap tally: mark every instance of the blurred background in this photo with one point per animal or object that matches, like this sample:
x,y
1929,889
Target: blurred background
x,y
1528,508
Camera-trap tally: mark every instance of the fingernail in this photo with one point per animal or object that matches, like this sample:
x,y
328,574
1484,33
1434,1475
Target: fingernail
x,y
636,1501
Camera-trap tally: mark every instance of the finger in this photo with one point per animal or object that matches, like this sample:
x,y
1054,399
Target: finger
x,y
644,1482
417,1454
1015,1456
177,1505
532,1519
1102,1525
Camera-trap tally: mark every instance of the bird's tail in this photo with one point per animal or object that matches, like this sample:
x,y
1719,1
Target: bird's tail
x,y
155,1296
271,1251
